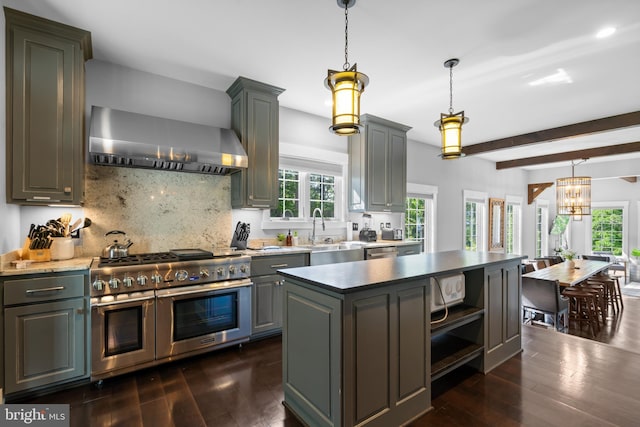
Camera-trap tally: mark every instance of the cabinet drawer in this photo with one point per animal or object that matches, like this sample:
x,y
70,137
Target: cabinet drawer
x,y
261,266
43,289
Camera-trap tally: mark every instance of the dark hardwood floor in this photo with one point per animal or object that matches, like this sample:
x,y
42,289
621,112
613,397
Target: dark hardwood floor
x,y
558,380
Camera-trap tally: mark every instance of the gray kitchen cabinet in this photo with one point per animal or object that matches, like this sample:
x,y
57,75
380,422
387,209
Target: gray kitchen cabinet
x,y
378,166
45,330
503,308
411,249
255,119
45,110
266,293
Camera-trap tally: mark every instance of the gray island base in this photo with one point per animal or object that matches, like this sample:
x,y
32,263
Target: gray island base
x,y
359,346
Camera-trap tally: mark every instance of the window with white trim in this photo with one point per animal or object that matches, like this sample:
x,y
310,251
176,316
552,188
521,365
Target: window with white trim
x,y
542,228
305,185
475,206
419,217
513,223
608,231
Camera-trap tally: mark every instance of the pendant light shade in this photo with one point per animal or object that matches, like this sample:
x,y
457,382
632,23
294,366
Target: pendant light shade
x,y
346,87
450,125
573,195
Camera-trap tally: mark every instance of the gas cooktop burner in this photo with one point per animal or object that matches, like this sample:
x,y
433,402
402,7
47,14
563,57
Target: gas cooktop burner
x,y
174,255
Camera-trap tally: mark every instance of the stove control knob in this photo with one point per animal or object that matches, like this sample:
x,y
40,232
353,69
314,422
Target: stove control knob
x,y
142,280
220,271
114,283
182,275
128,282
204,272
156,278
98,284
232,269
244,268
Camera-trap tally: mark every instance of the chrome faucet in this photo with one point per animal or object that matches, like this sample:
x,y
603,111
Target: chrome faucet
x,y
313,215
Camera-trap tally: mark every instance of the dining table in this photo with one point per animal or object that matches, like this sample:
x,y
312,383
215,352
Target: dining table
x,y
570,276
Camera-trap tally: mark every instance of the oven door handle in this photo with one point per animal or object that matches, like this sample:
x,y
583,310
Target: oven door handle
x,y
207,287
123,301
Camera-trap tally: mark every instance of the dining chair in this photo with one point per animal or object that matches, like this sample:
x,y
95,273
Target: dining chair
x,y
541,296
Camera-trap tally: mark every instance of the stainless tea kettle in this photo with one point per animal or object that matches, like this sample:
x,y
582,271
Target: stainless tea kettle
x,y
115,249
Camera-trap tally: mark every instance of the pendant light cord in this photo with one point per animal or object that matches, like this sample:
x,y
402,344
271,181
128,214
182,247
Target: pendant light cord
x,y
346,36
451,89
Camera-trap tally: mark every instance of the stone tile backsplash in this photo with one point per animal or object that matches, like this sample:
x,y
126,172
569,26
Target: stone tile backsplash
x,y
159,210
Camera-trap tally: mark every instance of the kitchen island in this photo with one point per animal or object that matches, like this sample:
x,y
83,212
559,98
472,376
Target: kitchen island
x,y
359,343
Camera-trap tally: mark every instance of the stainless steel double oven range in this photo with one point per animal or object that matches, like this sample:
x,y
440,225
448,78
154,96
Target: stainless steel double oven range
x,y
152,308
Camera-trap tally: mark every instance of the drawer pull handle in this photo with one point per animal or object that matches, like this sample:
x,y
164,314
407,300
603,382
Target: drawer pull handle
x,y
279,265
410,252
35,291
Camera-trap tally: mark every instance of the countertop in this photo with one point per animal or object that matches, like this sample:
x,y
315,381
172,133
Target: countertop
x,y
73,264
353,276
7,269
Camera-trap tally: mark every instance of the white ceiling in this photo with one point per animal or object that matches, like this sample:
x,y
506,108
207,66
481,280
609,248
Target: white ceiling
x,y
503,45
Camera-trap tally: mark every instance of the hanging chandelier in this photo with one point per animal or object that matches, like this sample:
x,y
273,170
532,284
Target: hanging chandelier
x,y
450,125
573,195
346,87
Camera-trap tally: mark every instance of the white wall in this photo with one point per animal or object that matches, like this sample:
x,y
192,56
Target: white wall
x,y
606,186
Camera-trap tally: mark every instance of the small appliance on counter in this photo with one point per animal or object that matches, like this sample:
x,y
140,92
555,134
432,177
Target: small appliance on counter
x,y
240,236
391,234
368,235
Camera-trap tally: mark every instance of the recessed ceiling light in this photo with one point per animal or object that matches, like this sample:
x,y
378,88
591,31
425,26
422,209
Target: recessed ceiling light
x,y
605,32
558,77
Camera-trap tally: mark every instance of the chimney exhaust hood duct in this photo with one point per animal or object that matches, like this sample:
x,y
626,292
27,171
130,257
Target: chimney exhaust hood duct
x,y
121,138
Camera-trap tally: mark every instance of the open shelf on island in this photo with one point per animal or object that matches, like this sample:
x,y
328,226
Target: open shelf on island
x,y
458,315
449,352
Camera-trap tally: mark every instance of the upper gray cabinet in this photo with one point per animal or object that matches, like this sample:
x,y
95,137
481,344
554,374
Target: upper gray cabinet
x,y
378,166
255,119
45,110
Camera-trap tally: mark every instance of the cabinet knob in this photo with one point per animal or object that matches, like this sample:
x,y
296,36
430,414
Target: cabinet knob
x,y
67,190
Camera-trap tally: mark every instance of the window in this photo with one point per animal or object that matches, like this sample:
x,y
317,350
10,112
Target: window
x,y
474,224
288,196
542,225
513,223
322,194
608,227
307,185
419,216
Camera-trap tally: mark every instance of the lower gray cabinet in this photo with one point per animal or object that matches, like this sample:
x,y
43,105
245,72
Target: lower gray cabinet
x,y
266,294
267,306
503,307
45,330
411,249
45,344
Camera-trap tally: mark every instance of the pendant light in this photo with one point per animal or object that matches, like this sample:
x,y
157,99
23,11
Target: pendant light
x,y
450,125
346,87
573,195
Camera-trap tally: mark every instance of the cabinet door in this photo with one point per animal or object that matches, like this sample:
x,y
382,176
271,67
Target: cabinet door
x,y
377,167
45,344
266,305
45,96
397,175
502,314
262,121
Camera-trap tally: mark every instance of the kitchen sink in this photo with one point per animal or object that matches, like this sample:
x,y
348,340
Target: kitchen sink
x,y
331,253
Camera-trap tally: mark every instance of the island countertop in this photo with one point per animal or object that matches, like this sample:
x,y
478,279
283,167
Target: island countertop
x,y
353,276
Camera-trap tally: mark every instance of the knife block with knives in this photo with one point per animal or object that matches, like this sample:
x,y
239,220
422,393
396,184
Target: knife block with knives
x,y
29,251
240,235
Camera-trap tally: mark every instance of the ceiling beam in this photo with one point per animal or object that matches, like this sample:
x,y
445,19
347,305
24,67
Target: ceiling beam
x,y
576,129
630,179
610,150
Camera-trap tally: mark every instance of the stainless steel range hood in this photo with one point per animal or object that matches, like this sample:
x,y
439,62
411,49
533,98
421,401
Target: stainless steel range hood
x,y
122,138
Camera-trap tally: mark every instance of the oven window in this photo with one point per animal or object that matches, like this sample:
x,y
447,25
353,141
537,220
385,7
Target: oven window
x,y
204,315
123,330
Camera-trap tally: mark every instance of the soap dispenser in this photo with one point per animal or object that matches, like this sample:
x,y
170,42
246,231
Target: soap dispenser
x,y
289,240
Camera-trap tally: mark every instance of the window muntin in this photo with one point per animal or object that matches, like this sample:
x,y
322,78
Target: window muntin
x,y
513,225
475,229
300,191
471,226
541,231
322,194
